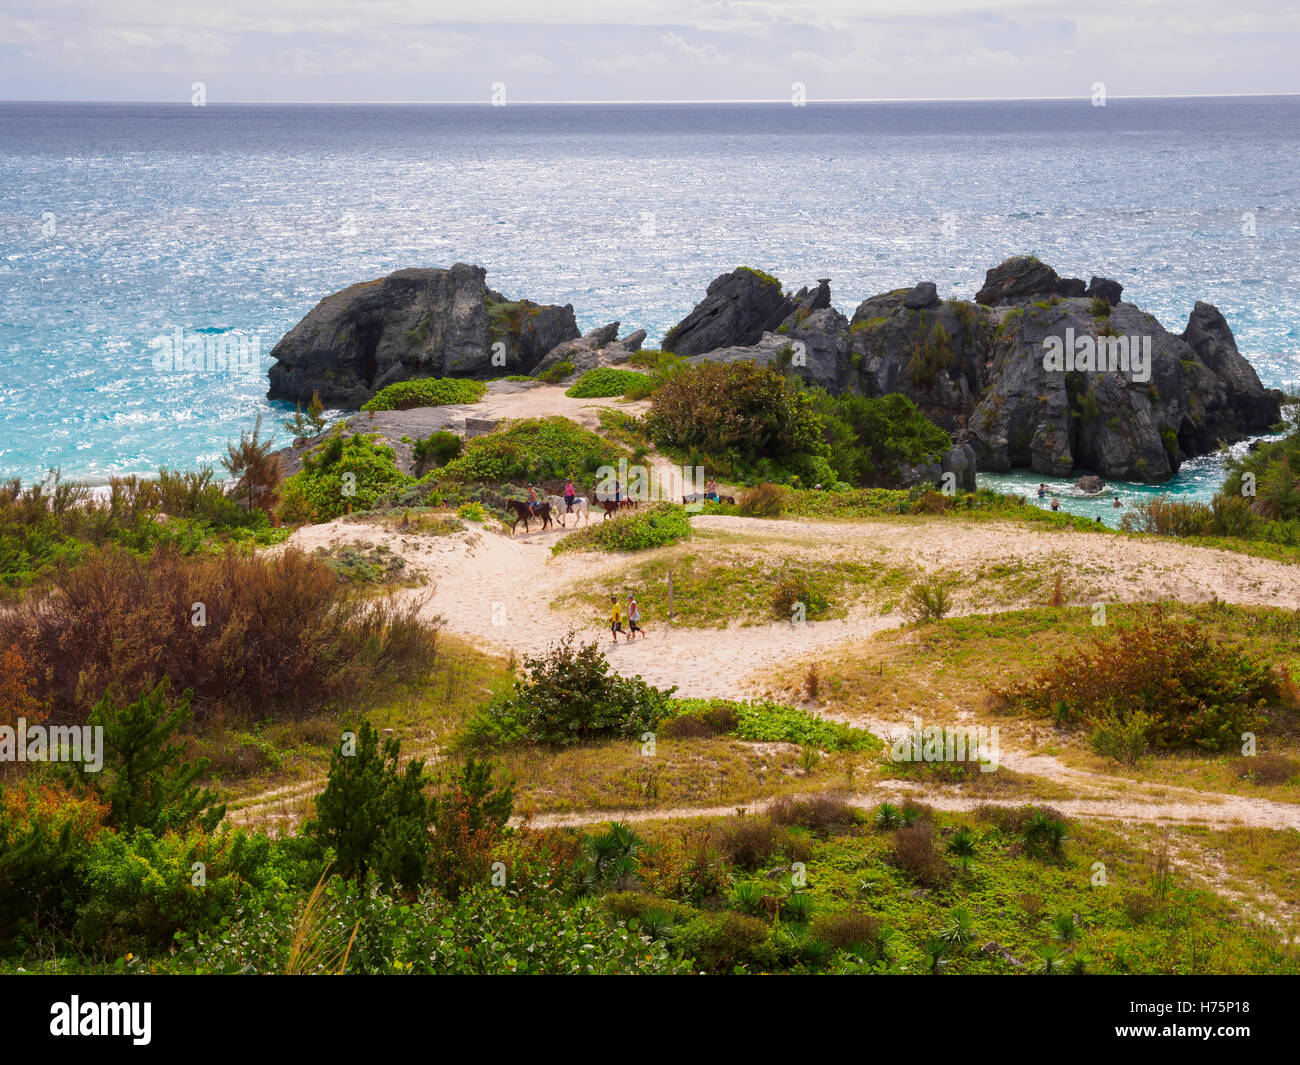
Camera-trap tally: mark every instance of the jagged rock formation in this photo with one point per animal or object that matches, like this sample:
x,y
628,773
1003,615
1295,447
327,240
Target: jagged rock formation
x,y
599,347
736,310
980,370
412,323
993,372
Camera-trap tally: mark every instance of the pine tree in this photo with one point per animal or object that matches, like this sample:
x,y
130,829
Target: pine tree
x,y
146,780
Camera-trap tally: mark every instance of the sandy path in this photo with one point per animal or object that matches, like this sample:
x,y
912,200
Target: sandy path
x,y
496,591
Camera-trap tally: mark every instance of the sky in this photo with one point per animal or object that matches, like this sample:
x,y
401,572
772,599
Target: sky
x,y
548,50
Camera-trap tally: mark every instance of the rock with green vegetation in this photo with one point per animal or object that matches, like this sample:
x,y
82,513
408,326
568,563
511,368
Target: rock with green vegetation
x,y
606,381
597,348
411,324
737,309
426,392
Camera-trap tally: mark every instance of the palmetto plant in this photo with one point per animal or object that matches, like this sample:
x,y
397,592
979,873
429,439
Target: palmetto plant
x,y
936,952
747,897
615,856
657,922
961,931
888,816
1052,959
962,843
799,908
1043,832
1065,928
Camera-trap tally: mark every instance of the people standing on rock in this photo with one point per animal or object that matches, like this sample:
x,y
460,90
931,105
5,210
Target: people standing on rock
x,y
1056,503
634,618
616,618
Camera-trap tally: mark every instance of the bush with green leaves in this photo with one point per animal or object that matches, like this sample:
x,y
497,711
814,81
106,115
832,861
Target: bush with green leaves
x,y
736,417
142,888
636,530
927,601
567,696
438,448
767,721
426,392
1195,690
146,780
533,449
373,814
605,381
345,473
871,439
557,373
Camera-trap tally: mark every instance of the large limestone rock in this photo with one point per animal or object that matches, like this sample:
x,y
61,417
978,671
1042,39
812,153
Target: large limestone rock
x,y
737,309
1124,425
600,347
412,323
1018,279
935,354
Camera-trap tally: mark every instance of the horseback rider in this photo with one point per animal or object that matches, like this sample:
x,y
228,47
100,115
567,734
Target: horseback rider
x,y
532,499
570,493
711,490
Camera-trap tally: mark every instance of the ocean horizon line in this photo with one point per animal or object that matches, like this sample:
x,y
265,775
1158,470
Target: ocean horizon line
x,y
782,100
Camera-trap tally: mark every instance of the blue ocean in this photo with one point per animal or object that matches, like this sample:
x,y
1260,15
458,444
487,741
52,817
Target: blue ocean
x,y
122,224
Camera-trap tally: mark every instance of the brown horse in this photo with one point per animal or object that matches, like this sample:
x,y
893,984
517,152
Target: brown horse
x,y
520,510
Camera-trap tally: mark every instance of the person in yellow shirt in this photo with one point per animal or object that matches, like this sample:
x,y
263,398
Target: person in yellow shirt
x,y
616,618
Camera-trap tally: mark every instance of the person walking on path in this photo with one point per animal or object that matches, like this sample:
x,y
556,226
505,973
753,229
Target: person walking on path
x,y
634,618
616,619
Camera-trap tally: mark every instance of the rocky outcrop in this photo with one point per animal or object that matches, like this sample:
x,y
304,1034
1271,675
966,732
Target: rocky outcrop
x,y
1131,417
600,347
412,323
737,309
1130,401
936,355
1017,280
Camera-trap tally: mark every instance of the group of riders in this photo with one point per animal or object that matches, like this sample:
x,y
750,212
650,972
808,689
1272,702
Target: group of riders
x,y
571,494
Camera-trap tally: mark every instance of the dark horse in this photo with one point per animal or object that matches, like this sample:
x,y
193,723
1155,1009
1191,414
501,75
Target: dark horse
x,y
520,510
611,505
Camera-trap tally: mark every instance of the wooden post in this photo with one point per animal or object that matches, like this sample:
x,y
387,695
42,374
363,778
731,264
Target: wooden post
x,y
670,595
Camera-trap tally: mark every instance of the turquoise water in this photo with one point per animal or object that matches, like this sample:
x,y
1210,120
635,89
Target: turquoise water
x,y
121,224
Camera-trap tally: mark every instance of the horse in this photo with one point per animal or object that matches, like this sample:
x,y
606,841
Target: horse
x,y
520,510
580,507
699,497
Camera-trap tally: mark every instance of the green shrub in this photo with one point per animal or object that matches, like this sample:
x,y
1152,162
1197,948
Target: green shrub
x,y
439,448
637,530
373,814
871,439
426,392
605,381
534,449
767,721
738,414
344,474
927,601
569,696
1195,690
471,511
557,373
142,888
722,942
1121,738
